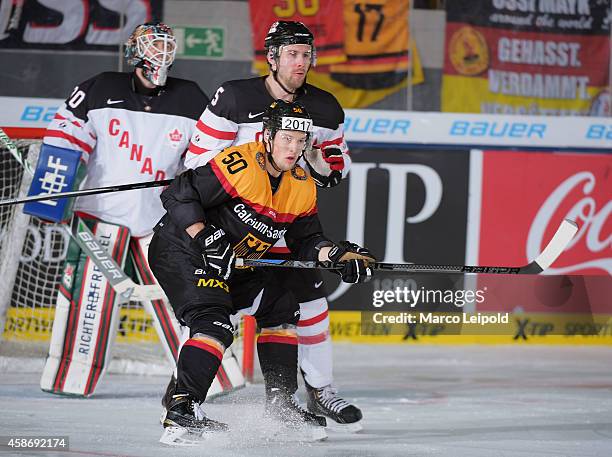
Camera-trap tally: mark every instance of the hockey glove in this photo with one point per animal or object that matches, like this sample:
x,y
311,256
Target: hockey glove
x,y
216,250
322,172
354,261
333,156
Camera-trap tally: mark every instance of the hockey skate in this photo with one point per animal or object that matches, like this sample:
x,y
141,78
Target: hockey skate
x,y
186,424
342,416
285,408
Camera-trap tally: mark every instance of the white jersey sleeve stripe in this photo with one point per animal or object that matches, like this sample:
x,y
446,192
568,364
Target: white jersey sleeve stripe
x,y
70,139
193,149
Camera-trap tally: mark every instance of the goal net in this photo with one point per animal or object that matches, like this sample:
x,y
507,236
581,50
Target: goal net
x,y
32,253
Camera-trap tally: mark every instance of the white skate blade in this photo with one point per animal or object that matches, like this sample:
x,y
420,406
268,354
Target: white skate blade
x,y
308,432
317,433
355,427
181,436
303,433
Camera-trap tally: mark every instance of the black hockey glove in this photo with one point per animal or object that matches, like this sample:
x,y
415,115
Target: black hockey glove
x,y
216,250
354,261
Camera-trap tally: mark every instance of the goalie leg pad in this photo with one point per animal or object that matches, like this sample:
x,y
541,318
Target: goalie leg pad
x,y
85,323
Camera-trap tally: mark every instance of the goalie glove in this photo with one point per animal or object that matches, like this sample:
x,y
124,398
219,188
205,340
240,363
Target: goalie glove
x,y
216,250
354,261
325,166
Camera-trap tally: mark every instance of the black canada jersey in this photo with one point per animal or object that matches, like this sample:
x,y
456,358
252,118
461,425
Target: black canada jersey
x,y
233,192
127,137
234,117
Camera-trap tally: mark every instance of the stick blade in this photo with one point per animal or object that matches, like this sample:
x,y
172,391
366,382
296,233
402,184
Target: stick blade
x,y
555,247
128,290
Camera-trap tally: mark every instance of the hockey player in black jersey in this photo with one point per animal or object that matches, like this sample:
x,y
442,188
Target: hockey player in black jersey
x,y
241,203
234,117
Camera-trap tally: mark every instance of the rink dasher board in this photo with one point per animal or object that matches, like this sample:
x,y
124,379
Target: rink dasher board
x,y
403,128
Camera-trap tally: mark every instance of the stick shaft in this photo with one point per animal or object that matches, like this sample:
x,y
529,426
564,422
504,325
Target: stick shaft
x,y
78,193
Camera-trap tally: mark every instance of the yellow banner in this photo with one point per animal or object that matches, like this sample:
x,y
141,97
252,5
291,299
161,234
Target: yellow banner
x,y
465,94
527,328
35,324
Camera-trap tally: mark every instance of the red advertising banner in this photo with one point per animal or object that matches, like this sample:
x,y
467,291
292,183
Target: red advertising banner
x,y
324,19
525,196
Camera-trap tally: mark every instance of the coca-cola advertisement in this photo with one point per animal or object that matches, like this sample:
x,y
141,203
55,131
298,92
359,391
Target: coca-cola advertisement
x,y
526,195
524,198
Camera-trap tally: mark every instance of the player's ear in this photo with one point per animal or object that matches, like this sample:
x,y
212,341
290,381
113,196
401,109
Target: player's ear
x,y
270,56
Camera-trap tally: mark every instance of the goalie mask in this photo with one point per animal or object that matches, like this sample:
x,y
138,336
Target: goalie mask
x,y
282,115
152,47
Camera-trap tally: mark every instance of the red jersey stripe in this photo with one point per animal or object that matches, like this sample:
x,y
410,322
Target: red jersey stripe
x,y
219,134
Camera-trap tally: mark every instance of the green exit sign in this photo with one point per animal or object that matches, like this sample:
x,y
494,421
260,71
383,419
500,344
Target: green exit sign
x,y
203,42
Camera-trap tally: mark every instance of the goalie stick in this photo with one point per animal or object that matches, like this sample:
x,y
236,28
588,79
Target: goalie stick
x,y
551,252
78,193
123,284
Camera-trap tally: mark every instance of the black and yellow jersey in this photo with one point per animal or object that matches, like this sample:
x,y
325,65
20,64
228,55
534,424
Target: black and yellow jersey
x,y
233,192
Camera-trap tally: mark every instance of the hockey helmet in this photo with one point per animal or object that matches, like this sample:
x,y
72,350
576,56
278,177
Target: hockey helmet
x,y
283,115
152,47
283,33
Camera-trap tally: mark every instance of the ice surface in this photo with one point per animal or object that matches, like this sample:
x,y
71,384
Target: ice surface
x,y
523,401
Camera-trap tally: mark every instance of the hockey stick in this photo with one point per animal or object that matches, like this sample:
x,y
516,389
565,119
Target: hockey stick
x,y
78,193
4,139
123,284
78,230
551,252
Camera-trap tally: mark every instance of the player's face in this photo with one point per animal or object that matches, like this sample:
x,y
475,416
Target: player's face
x,y
294,64
287,148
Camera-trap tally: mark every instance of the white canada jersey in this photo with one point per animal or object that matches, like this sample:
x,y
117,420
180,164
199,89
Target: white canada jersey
x,y
235,116
126,137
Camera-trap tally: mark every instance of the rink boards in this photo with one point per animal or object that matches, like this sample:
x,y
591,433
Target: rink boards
x,y
452,189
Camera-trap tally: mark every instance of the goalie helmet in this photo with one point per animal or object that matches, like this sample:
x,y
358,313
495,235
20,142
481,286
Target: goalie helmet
x,y
283,115
283,33
152,47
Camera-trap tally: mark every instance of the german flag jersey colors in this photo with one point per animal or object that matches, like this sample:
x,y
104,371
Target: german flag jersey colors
x,y
233,192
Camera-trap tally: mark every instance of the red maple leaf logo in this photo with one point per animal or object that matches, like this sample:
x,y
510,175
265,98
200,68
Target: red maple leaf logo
x,y
175,136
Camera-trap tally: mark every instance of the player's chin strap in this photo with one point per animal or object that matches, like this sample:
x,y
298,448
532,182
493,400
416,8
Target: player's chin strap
x,y
274,72
269,154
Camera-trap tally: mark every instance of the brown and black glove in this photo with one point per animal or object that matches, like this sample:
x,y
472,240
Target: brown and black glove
x,y
353,260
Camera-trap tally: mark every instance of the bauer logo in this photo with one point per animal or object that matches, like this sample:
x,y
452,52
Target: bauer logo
x,y
37,113
366,125
599,132
498,129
